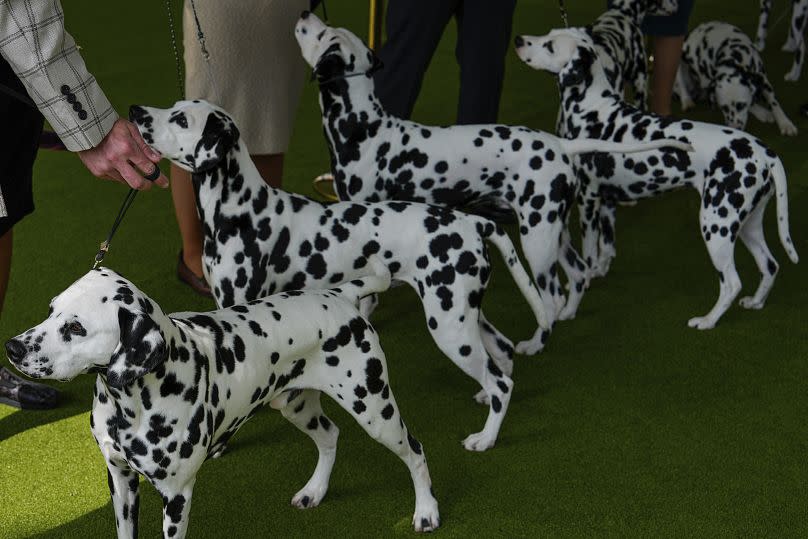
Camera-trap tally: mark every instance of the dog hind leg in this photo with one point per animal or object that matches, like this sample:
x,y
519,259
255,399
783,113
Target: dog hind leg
x,y
721,249
752,236
374,407
306,413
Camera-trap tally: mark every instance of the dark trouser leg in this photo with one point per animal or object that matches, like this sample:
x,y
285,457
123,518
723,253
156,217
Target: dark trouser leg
x,y
414,28
483,40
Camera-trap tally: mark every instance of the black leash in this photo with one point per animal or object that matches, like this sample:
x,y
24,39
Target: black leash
x,y
370,71
130,197
563,11
18,96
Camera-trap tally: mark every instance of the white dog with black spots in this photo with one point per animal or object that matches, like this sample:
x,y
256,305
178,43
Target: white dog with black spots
x,y
259,240
376,156
734,173
720,65
171,390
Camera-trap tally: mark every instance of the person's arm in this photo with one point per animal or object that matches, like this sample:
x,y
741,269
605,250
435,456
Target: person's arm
x,y
44,56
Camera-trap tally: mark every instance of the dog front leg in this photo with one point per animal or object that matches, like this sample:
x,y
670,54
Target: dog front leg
x,y
783,123
124,490
798,30
589,217
176,508
608,218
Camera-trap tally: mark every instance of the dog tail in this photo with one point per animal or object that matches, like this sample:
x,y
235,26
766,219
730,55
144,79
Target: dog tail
x,y
493,233
378,281
781,194
588,145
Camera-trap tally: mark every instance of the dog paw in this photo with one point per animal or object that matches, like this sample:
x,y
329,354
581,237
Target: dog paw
x,y
793,75
479,442
426,519
481,397
750,303
309,497
687,104
788,129
535,344
760,45
529,348
788,46
567,313
701,322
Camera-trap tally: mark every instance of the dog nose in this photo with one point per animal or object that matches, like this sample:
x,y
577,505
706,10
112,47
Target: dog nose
x,y
305,14
518,41
136,112
15,350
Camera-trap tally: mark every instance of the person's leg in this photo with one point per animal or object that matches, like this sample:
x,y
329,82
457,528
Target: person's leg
x,y
414,29
270,166
182,192
667,54
6,243
669,35
483,40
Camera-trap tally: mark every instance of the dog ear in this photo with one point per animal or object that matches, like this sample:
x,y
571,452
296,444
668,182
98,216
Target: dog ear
x,y
329,66
218,137
141,348
578,68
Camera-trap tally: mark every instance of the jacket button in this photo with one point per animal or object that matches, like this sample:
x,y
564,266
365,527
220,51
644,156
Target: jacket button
x,y
82,115
71,98
65,89
77,106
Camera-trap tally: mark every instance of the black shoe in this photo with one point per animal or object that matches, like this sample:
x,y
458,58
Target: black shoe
x,y
197,283
804,109
21,393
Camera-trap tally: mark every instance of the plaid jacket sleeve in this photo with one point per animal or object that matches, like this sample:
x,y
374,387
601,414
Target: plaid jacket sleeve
x,y
44,56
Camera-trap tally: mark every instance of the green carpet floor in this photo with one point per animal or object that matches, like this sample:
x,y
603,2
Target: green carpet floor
x,y
629,424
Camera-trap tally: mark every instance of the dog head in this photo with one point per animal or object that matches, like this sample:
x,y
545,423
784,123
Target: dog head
x,y
569,53
102,322
194,135
734,94
333,53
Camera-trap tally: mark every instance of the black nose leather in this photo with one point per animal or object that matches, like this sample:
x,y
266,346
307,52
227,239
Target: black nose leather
x,y
16,350
305,14
136,112
518,41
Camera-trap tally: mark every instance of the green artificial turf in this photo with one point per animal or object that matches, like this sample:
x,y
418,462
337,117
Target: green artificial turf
x,y
628,424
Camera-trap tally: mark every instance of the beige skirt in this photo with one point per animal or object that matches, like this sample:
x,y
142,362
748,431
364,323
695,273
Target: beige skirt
x,y
255,63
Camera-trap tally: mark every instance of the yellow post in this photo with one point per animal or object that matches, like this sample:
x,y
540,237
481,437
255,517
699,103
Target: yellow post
x,y
375,23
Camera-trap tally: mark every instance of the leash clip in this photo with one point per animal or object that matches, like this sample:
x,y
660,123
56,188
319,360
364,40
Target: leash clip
x,y
102,252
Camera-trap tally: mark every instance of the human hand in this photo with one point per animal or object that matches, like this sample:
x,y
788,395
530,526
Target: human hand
x,y
125,157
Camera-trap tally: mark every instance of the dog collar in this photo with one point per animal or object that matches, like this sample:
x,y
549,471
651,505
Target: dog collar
x,y
370,71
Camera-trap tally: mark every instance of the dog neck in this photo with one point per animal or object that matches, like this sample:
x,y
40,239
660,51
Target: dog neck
x,y
226,183
593,94
352,114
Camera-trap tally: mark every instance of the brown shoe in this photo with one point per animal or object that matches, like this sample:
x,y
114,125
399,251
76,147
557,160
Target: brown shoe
x,y
188,277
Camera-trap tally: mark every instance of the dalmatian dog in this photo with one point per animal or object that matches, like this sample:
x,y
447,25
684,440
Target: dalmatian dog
x,y
720,64
621,44
376,156
796,33
171,390
734,173
260,240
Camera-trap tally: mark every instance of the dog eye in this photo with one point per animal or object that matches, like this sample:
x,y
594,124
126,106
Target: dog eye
x,y
76,328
